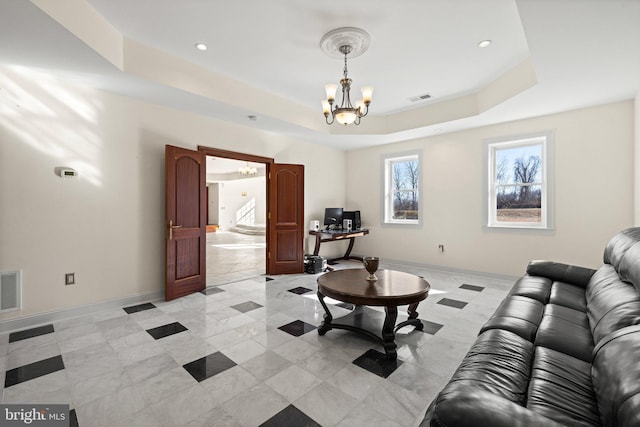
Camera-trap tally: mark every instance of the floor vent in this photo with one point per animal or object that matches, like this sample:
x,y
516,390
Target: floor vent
x,y
10,286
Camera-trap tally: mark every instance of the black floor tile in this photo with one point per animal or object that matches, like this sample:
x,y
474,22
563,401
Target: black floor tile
x,y
268,279
166,330
30,333
297,328
431,327
452,303
246,306
290,417
377,363
472,287
139,307
300,290
212,290
73,418
209,366
33,370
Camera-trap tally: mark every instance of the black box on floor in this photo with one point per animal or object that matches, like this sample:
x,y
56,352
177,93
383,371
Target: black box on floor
x,y
314,264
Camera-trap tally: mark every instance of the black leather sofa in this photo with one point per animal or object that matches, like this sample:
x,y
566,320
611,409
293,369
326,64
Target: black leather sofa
x,y
563,348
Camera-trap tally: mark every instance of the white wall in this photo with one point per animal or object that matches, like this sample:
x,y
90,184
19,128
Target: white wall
x,y
636,180
594,173
107,225
232,199
214,206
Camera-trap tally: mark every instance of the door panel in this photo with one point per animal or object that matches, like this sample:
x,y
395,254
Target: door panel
x,y
286,228
185,172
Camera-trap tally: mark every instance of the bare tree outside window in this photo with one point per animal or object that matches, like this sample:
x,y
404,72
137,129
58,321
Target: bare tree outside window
x,y
402,182
405,188
518,183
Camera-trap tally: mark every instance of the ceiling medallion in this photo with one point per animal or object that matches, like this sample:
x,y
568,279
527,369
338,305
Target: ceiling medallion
x,y
352,42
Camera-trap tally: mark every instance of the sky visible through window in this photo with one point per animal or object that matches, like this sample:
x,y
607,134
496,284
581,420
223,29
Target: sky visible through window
x,y
506,160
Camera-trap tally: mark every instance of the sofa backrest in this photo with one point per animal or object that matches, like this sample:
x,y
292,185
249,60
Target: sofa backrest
x,y
611,303
623,253
616,377
612,297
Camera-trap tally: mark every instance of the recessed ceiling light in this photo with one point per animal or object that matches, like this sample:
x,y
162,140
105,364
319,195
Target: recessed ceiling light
x,y
484,43
201,46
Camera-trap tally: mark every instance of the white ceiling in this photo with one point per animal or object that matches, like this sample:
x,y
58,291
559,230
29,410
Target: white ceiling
x,y
546,57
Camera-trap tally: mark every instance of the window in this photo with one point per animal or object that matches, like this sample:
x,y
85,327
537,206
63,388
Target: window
x,y
518,178
402,178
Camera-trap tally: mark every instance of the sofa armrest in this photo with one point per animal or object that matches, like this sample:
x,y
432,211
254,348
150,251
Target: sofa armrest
x,y
560,272
481,408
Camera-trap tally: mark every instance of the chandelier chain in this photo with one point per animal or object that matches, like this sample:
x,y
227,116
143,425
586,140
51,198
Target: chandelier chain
x,y
345,65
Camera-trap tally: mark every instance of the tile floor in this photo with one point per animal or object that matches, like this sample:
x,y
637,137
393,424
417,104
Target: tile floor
x,y
234,256
246,353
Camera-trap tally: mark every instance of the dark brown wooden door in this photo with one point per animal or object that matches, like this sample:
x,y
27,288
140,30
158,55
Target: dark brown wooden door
x,y
185,172
286,213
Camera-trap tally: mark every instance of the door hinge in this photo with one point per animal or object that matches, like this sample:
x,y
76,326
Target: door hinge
x,y
268,215
269,255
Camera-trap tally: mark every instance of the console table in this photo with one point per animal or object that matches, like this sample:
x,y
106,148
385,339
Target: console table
x,y
338,235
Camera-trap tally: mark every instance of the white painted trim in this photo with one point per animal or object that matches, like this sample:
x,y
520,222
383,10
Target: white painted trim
x,y
452,270
32,321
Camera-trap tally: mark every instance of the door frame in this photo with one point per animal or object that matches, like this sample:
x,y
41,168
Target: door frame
x,y
268,161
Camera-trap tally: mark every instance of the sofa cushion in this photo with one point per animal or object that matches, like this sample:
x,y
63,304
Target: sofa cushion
x,y
567,331
534,287
481,408
561,389
616,377
518,314
499,362
568,295
612,304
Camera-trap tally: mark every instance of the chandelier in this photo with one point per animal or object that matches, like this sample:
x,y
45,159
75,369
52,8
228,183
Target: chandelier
x,y
345,41
248,170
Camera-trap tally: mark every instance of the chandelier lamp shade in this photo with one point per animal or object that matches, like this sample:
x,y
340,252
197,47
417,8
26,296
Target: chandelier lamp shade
x,y
345,41
248,170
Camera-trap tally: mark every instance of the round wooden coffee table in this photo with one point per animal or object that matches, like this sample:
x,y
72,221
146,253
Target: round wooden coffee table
x,y
392,289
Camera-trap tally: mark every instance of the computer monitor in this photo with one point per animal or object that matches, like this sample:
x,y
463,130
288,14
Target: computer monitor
x,y
333,217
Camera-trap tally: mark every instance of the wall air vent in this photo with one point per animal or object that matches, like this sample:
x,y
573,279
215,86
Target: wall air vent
x,y
10,287
420,97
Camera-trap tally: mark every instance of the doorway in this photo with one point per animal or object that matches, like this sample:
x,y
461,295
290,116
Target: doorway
x,y
186,217
236,238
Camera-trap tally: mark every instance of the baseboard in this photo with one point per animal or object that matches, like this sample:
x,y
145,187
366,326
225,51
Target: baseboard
x,y
34,320
450,269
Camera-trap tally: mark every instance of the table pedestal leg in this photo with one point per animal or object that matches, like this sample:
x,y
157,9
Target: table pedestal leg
x,y
326,323
413,318
388,332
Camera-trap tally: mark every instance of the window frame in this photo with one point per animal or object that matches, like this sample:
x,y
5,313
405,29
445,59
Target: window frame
x,y
492,145
388,189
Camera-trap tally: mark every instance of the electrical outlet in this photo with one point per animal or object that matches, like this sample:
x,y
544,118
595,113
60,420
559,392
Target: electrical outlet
x,y
441,247
70,279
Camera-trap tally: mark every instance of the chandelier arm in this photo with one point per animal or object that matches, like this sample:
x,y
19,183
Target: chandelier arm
x,y
326,119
